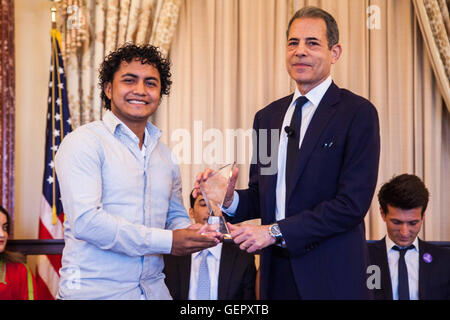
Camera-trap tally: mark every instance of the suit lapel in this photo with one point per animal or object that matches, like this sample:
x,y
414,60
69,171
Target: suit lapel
x,y
424,271
382,261
319,121
277,116
227,258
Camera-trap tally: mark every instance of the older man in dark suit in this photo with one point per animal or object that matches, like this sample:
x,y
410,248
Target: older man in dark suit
x,y
230,273
411,269
312,206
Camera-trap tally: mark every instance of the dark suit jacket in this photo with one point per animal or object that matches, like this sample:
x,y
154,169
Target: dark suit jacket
x,y
333,189
434,277
237,275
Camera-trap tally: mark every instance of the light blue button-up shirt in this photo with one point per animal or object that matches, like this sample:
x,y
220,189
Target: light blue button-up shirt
x,y
121,205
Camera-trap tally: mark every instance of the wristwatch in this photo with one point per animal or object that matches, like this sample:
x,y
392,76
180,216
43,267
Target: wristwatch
x,y
275,232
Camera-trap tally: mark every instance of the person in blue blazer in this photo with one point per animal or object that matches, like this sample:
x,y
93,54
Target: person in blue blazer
x,y
313,195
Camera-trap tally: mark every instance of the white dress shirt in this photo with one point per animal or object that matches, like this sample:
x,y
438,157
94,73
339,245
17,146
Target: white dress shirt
x,y
412,264
314,97
213,261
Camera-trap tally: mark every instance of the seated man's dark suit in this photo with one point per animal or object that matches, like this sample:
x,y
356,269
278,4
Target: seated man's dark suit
x,y
237,275
332,187
434,276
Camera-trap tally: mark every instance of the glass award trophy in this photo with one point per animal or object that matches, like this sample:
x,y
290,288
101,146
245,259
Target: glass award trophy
x,y
216,187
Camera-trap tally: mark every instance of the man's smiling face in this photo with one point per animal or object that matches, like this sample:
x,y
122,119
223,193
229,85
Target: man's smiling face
x,y
135,92
308,56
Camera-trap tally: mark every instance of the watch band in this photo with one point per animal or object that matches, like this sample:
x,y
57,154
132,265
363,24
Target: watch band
x,y
275,232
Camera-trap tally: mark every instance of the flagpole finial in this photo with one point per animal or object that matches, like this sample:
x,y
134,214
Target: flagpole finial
x,y
53,10
53,13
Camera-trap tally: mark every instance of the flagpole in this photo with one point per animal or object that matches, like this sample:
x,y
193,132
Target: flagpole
x,y
53,33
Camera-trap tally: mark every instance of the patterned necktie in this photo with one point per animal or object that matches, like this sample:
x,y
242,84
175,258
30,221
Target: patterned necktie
x,y
403,286
294,141
204,283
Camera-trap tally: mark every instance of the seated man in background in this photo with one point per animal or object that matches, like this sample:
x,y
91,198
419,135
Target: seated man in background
x,y
16,279
411,269
223,272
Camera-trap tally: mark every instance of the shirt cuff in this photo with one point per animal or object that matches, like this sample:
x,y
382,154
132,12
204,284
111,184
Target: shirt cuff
x,y
231,210
161,241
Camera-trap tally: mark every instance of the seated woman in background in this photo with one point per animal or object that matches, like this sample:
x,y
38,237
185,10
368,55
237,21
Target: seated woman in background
x,y
16,279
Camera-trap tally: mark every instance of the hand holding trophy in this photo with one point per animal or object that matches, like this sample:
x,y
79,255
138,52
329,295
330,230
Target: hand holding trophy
x,y
217,188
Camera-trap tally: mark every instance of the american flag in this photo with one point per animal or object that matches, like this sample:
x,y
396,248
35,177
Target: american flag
x,y
51,215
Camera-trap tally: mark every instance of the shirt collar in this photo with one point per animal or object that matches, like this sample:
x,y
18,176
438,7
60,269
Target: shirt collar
x,y
215,251
113,124
316,94
390,244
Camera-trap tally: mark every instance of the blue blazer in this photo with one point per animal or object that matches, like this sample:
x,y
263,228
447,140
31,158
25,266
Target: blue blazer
x,y
335,179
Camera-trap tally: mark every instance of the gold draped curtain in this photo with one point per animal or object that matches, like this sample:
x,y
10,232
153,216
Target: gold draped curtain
x,y
93,28
7,105
433,17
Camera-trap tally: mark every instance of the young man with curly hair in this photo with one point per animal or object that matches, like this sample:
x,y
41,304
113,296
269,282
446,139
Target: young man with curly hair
x,y
121,190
